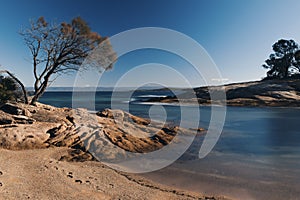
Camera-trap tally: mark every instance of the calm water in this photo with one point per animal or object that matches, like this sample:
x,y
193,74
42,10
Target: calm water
x,y
256,157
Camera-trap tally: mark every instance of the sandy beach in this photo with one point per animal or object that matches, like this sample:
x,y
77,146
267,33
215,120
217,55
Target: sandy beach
x,y
39,174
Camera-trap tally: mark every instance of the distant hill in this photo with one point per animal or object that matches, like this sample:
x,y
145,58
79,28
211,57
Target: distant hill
x,y
70,89
257,93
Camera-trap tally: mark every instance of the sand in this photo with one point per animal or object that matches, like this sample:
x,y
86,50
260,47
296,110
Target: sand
x,y
39,174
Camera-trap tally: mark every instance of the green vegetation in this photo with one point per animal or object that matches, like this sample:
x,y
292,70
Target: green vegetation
x,y
9,90
285,61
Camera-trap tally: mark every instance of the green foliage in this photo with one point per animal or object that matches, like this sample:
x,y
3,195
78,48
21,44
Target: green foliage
x,y
9,91
285,61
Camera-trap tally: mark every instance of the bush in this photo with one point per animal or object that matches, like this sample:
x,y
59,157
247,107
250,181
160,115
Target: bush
x,y
9,90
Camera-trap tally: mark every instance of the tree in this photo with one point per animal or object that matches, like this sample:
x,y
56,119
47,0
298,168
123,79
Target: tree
x,y
58,49
283,62
9,90
16,80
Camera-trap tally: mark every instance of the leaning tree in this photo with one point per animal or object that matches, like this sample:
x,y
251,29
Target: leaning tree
x,y
58,49
285,60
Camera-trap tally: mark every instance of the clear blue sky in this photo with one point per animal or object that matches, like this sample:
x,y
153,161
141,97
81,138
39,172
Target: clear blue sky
x,y
237,34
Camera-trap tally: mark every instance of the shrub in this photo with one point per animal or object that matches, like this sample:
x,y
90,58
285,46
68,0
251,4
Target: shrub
x,y
9,90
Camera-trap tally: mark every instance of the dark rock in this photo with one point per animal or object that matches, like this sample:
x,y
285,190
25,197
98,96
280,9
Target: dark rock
x,y
69,176
12,109
78,181
112,114
5,118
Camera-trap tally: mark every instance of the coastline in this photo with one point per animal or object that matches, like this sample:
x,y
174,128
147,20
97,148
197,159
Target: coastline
x,y
268,93
67,151
44,158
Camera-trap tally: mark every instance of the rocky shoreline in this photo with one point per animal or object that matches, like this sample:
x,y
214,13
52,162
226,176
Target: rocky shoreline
x,y
270,93
54,142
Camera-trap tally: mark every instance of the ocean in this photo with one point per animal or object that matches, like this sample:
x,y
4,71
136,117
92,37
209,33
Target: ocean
x,y
256,157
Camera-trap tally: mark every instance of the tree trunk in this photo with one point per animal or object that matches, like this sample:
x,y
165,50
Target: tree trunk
x,y
38,94
19,82
40,91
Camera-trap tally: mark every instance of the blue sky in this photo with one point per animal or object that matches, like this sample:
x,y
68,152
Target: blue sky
x,y
238,35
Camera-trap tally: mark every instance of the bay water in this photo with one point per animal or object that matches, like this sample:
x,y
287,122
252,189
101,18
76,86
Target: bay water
x,y
256,157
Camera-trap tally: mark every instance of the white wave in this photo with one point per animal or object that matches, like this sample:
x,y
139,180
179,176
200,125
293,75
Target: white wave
x,y
152,96
133,99
156,103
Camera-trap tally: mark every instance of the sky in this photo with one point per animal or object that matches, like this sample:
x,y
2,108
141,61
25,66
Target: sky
x,y
237,35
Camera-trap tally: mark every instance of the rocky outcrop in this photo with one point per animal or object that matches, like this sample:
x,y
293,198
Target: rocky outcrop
x,y
109,134
25,127
135,134
257,93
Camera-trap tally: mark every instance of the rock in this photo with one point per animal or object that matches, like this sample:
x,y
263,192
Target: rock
x,y
120,115
12,109
139,120
109,135
24,136
76,155
284,92
136,134
5,118
111,114
20,119
26,127
14,114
